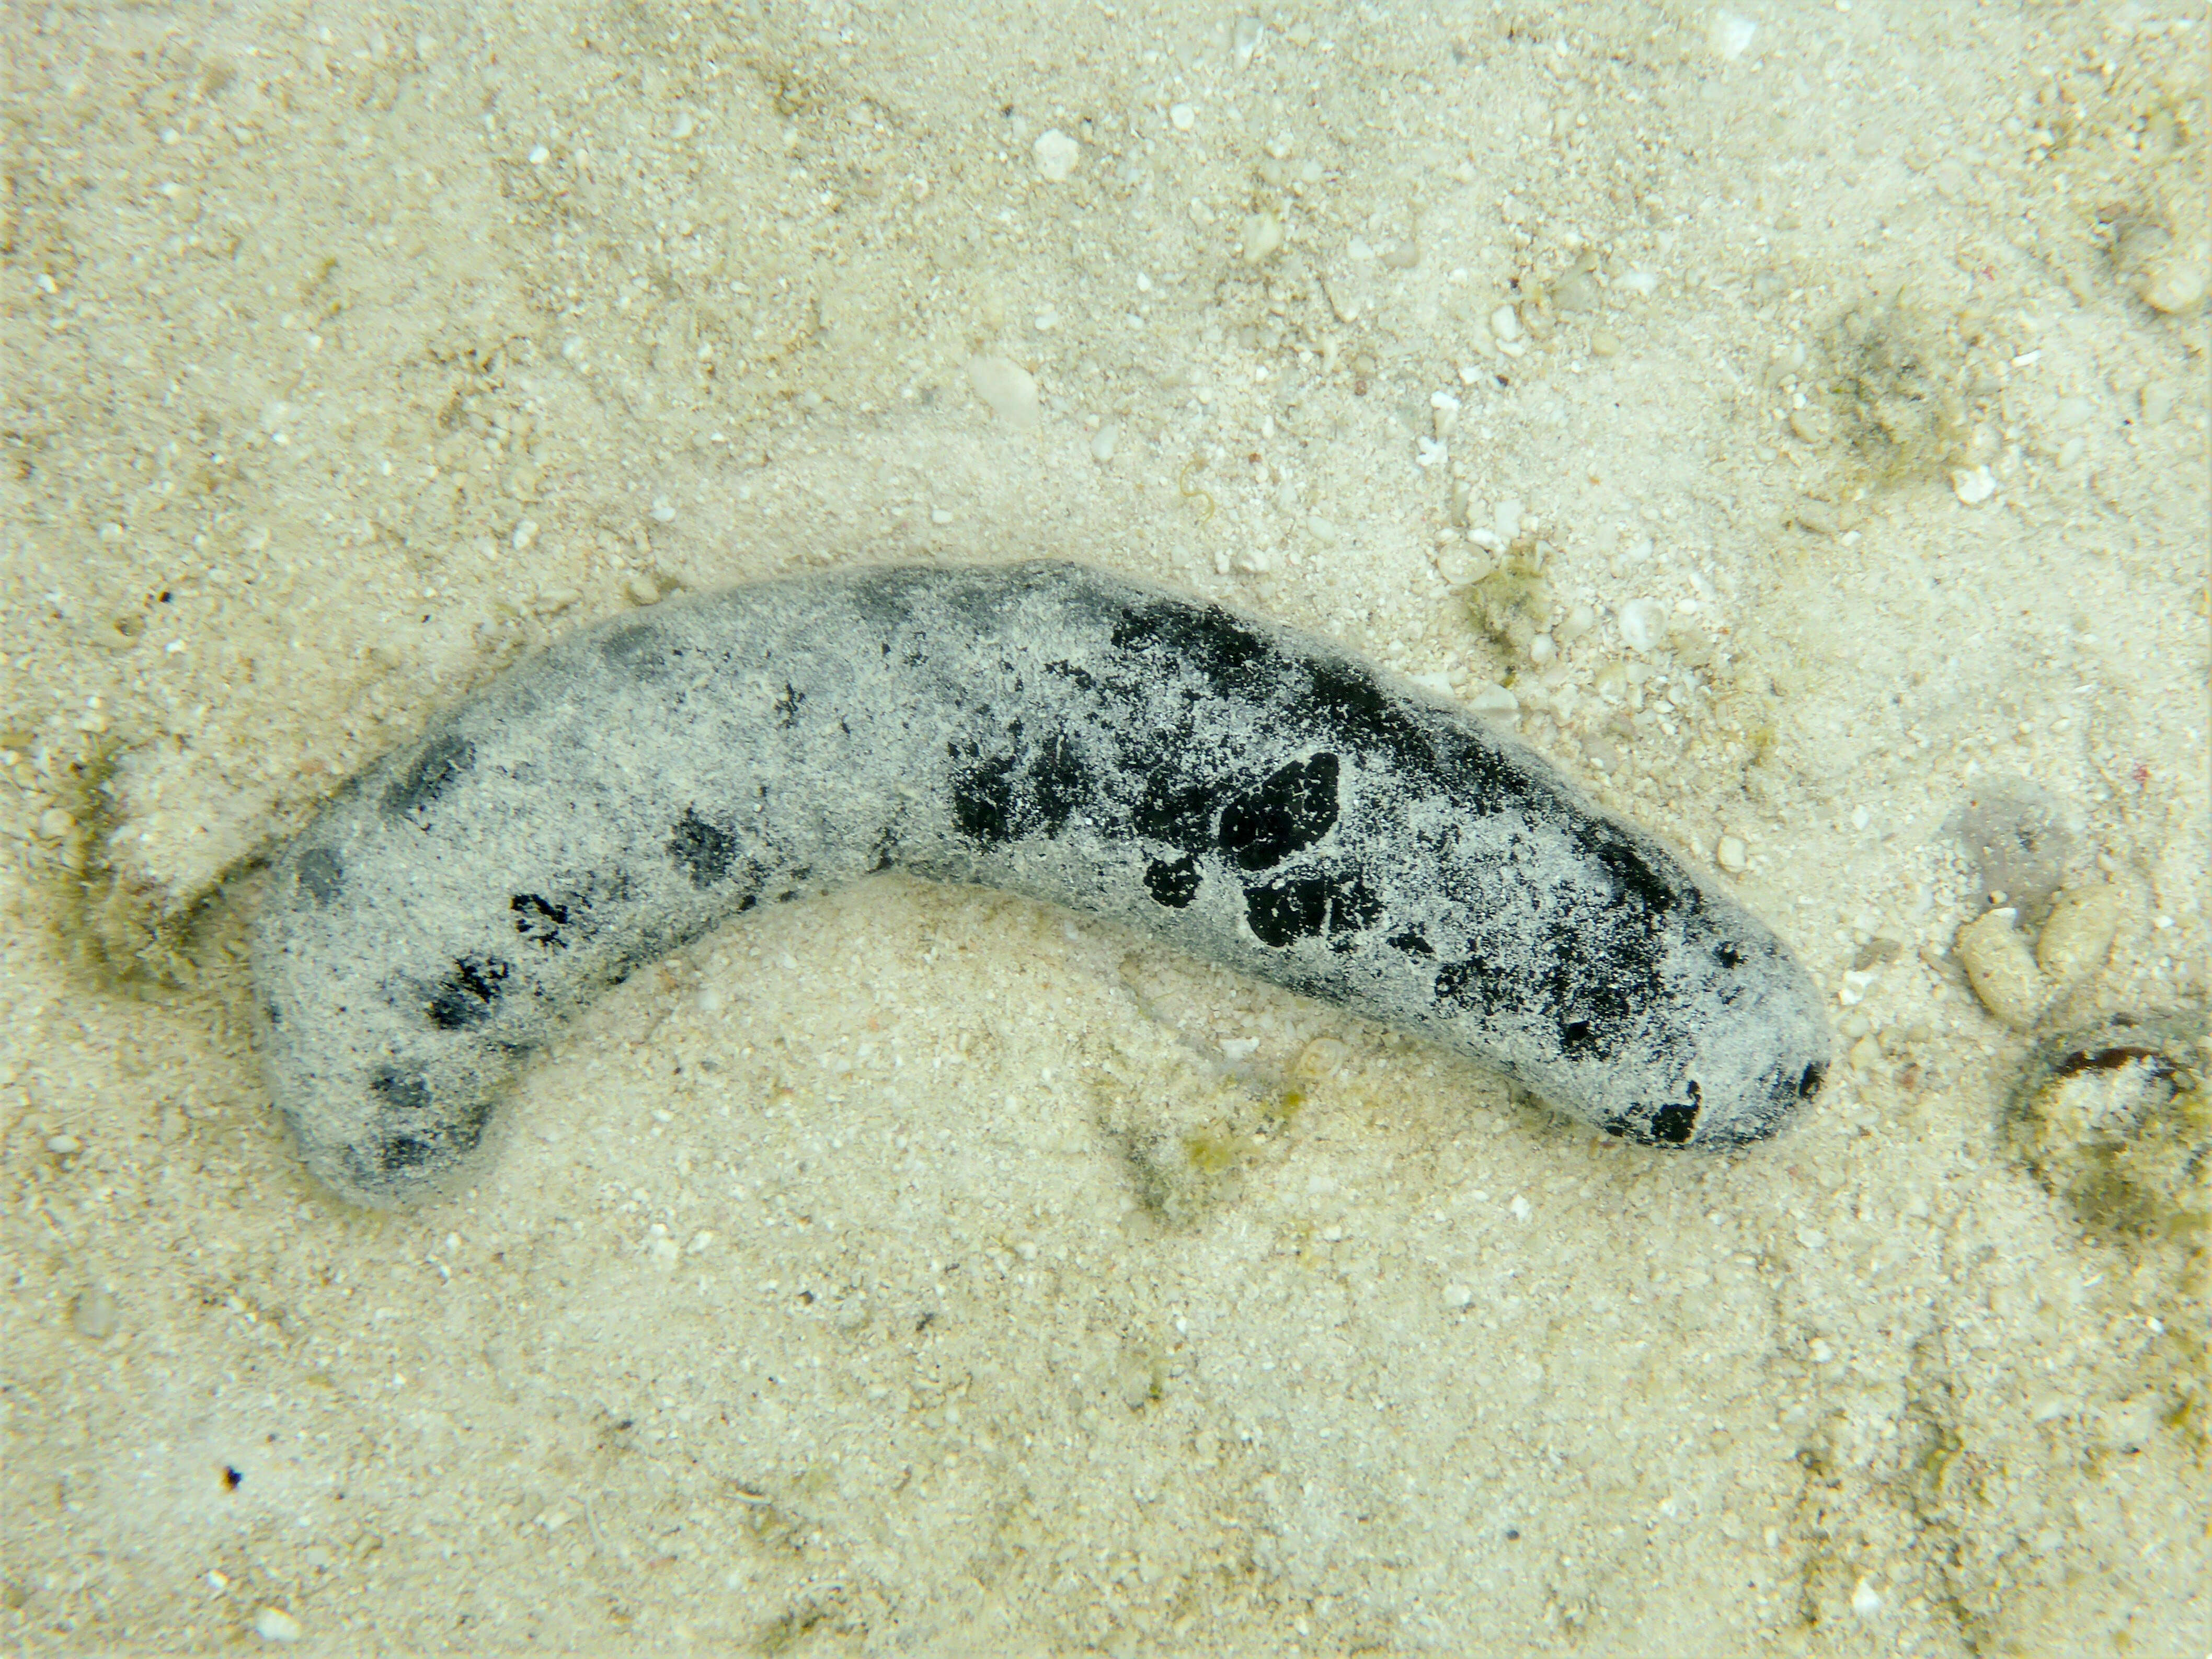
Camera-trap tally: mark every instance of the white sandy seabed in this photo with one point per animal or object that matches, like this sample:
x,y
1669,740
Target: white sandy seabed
x,y
1792,420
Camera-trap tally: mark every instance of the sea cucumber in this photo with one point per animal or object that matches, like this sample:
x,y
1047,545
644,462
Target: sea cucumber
x,y
1249,794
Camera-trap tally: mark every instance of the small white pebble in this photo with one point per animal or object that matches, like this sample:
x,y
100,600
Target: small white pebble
x,y
1056,154
1541,650
1457,1296
2077,935
1643,624
274,1624
1864,1601
1263,239
1730,34
1240,1047
664,511
640,589
525,534
1103,440
94,1315
1999,967
1973,485
1494,700
1007,387
1733,854
1522,1208
1507,517
2174,280
55,822
1505,322
940,515
1183,115
540,156
1579,621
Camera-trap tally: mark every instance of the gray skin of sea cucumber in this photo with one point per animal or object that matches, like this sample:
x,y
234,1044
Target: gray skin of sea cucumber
x,y
1248,793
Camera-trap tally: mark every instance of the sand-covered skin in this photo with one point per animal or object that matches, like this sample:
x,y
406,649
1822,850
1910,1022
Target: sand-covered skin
x,y
1792,424
1240,791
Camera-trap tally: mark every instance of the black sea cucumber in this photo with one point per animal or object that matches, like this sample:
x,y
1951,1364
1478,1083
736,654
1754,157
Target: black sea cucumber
x,y
1252,794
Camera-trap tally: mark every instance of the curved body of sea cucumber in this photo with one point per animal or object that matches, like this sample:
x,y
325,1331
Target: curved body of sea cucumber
x,y
1248,793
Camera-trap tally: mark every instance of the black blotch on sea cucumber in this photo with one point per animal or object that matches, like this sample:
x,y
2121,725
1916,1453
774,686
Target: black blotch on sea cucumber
x,y
1012,794
1181,815
406,1151
703,851
1411,942
637,647
1470,985
1576,1040
1290,810
1809,1084
408,1090
1082,678
412,1148
1672,1124
464,997
539,920
1600,992
1633,878
983,803
442,759
1060,783
1203,639
1174,885
1309,905
1349,699
1728,955
1287,909
322,873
